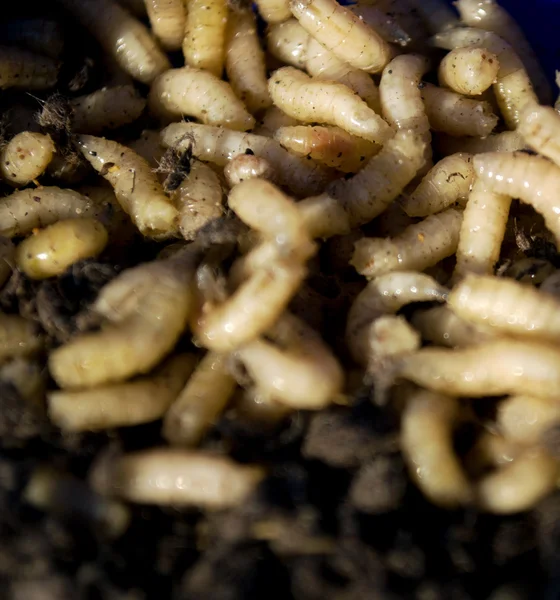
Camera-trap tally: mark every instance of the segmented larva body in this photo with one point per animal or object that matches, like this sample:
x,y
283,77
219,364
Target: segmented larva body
x,y
468,71
274,11
167,19
39,35
287,41
25,157
26,70
420,246
506,141
312,101
525,419
447,182
344,33
540,128
197,93
247,166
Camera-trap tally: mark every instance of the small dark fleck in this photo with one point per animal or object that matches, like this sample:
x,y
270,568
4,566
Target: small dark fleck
x,y
93,153
390,71
339,155
249,152
421,85
37,198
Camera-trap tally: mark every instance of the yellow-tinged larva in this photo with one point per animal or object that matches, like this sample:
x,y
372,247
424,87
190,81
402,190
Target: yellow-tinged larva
x,y
272,119
338,29
489,15
127,404
107,108
442,327
204,43
437,14
248,166
167,18
24,210
513,87
525,419
245,61
532,179
540,128
312,101
7,258
519,485
507,306
427,446
136,186
495,368
482,232
38,34
384,295
50,251
506,141
18,337
219,146
445,183
199,199
174,477
274,11
122,36
197,93
330,145
200,403
26,70
25,157
295,367
469,71
389,337
419,246
456,115
146,309
287,41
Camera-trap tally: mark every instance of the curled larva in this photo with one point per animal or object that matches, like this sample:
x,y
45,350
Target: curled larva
x,y
7,259
196,93
519,485
287,41
136,186
199,199
18,337
482,232
437,14
489,15
167,18
37,34
122,36
274,11
245,61
532,179
293,365
107,108
205,35
506,141
468,71
272,119
146,309
540,128
25,157
445,183
349,203
419,246
338,29
168,476
525,419
329,145
247,166
219,146
456,115
495,368
312,101
50,251
427,446
127,404
26,70
386,294
513,87
200,403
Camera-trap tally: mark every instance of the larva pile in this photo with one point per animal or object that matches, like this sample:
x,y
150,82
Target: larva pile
x,y
292,207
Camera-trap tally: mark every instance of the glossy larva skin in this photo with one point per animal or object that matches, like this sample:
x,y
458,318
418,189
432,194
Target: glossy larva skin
x,y
338,29
136,186
506,141
196,93
532,179
247,166
49,252
107,108
122,36
540,128
205,35
124,404
495,368
326,102
18,337
274,11
200,403
219,146
489,15
468,71
385,295
482,231
25,157
40,35
22,69
456,115
288,41
420,246
167,19
447,182
525,419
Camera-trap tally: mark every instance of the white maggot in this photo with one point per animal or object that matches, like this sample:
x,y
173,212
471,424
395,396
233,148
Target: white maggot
x,y
540,128
248,166
468,71
506,141
167,18
287,41
274,11
25,157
